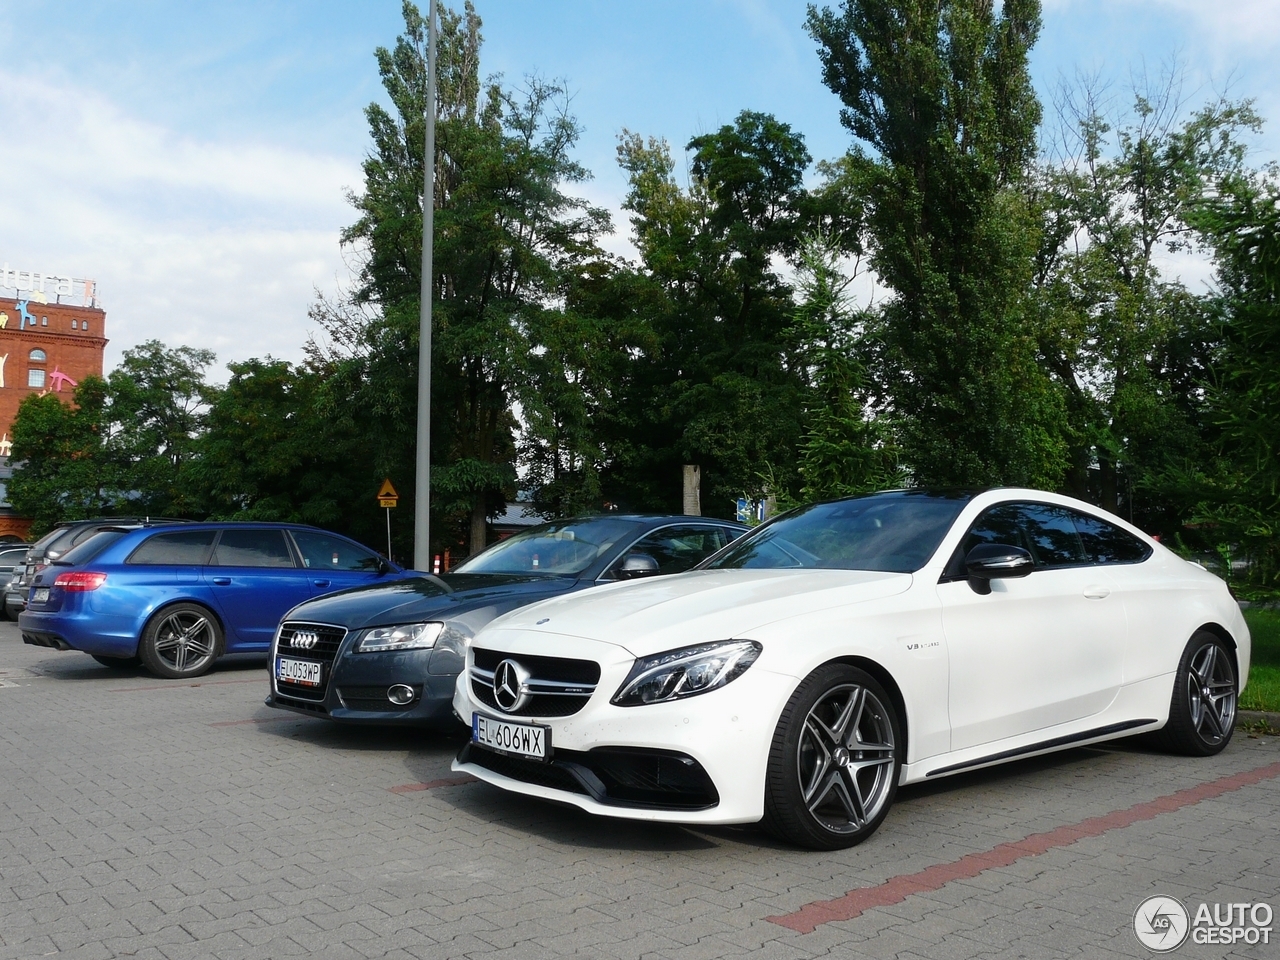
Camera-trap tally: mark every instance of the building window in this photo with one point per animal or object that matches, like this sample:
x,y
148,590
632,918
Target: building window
x,y
84,324
75,324
35,377
37,356
44,321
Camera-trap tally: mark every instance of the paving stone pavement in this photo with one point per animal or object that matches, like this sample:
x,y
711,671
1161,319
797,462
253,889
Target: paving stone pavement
x,y
165,819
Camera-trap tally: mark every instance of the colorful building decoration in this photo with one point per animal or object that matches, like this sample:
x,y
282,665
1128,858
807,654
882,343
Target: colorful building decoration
x,y
57,339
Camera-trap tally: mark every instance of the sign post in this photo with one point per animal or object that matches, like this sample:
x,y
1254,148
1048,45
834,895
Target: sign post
x,y
387,497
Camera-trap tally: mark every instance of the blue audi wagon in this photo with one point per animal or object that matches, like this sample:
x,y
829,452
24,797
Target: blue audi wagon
x,y
177,597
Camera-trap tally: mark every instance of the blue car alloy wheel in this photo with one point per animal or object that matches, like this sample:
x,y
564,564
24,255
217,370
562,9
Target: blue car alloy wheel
x,y
182,641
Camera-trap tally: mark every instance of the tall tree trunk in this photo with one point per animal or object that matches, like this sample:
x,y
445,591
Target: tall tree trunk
x,y
478,535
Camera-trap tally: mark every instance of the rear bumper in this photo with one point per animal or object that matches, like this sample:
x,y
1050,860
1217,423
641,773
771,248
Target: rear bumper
x,y
38,639
70,630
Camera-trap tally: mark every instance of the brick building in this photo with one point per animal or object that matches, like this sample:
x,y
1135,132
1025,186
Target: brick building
x,y
52,335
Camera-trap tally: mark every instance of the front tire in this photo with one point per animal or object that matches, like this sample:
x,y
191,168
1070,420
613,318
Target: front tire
x,y
835,760
1202,713
181,641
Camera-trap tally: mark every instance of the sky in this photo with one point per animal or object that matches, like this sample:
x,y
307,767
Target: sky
x,y
195,158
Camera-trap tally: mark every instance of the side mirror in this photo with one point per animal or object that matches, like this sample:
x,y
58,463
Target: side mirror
x,y
995,561
635,565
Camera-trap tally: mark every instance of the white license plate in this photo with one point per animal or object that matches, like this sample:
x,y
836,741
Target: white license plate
x,y
304,672
523,739
41,595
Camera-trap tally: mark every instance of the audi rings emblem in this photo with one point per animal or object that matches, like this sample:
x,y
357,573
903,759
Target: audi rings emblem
x,y
510,686
304,640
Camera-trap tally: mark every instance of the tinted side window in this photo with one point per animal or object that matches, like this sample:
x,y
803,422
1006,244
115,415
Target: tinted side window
x,y
1052,534
252,548
680,548
1106,543
189,548
322,552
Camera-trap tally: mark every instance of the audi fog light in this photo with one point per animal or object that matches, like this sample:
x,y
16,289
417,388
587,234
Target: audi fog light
x,y
686,672
406,636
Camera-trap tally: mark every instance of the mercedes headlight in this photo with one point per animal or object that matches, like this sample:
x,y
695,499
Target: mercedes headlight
x,y
406,636
686,672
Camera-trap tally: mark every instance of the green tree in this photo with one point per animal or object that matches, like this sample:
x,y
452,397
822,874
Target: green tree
x,y
272,453
844,451
505,233
61,467
940,95
1238,494
714,385
1129,347
157,399
125,445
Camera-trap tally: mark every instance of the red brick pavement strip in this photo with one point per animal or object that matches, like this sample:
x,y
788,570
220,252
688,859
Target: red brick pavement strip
x,y
809,917
432,784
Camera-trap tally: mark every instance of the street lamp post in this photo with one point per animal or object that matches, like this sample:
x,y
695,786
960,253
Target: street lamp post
x,y
422,484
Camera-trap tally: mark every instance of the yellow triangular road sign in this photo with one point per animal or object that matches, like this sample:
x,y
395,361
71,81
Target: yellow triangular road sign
x,y
387,491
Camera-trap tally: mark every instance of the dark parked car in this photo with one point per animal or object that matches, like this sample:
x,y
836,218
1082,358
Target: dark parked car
x,y
12,563
53,545
391,653
178,596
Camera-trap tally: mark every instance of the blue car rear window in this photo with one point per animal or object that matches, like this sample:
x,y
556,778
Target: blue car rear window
x,y
90,548
188,548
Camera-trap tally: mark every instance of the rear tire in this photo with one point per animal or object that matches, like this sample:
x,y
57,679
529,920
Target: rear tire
x,y
117,663
180,642
1202,713
835,760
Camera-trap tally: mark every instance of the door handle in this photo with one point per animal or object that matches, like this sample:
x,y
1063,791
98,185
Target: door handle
x,y
222,581
321,583
1097,592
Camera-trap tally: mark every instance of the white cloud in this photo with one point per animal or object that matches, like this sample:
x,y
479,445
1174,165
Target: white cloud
x,y
1245,25
213,243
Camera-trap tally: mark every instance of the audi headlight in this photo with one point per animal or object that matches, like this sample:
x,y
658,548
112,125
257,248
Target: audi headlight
x,y
406,636
686,672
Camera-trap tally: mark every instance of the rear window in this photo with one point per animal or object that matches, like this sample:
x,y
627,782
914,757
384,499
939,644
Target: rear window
x,y
185,549
88,549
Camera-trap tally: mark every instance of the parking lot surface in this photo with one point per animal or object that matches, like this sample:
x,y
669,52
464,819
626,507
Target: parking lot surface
x,y
174,819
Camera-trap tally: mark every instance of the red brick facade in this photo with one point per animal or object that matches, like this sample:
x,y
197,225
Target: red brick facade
x,y
48,347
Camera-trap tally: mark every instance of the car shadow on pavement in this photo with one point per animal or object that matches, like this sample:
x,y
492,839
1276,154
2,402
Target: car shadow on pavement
x,y
566,825
429,746
73,665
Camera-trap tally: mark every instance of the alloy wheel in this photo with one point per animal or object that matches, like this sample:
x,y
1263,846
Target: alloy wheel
x,y
1211,693
846,758
185,641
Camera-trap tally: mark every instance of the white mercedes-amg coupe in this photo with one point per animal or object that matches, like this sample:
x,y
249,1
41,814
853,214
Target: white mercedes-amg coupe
x,y
798,676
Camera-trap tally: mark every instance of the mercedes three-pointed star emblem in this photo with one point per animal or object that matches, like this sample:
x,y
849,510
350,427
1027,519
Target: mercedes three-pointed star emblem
x,y
510,689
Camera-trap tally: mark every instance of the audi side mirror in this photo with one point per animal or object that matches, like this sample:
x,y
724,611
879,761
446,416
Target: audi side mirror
x,y
636,565
996,561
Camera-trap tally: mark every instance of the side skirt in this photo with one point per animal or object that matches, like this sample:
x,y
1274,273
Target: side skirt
x,y
1043,745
